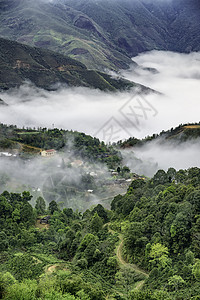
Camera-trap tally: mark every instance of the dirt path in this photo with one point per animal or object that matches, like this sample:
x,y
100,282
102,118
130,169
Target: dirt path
x,y
51,269
124,263
121,260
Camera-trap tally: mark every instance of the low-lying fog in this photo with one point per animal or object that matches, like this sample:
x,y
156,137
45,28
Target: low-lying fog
x,y
115,116
95,112
155,155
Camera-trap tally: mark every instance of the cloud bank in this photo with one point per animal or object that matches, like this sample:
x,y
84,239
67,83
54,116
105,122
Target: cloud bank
x,y
147,160
115,116
177,79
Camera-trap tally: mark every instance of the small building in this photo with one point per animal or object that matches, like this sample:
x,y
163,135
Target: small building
x,y
90,191
93,174
5,154
77,163
48,153
128,180
114,173
45,220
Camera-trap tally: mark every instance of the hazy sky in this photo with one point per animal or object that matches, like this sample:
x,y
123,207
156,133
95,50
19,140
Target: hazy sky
x,y
116,116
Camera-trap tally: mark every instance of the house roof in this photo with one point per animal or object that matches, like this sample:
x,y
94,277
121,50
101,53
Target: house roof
x,y
50,150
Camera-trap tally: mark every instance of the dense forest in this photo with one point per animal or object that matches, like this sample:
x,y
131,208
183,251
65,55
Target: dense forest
x,y
145,247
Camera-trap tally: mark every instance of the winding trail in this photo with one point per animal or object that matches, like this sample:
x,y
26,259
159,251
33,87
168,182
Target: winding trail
x,y
122,262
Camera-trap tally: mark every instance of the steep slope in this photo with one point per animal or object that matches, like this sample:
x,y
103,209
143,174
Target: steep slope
x,y
141,25
46,69
58,27
103,34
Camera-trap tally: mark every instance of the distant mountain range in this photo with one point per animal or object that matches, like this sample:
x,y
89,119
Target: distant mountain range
x,y
103,34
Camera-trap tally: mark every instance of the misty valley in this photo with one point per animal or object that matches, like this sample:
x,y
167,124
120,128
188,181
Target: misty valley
x,y
99,150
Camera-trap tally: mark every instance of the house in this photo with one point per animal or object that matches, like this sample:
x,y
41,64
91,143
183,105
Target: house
x,y
93,174
77,163
48,153
114,173
90,191
45,220
5,154
128,180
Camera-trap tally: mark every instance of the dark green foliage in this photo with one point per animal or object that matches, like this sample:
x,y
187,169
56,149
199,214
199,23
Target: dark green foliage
x,y
163,229
102,213
180,134
84,146
40,205
24,266
53,206
157,222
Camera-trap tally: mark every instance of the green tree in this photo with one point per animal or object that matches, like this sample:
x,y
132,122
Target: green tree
x,y
196,270
40,205
96,223
175,282
53,207
159,255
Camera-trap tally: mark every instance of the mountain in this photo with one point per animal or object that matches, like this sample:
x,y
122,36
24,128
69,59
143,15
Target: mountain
x,y
103,34
46,69
60,28
178,135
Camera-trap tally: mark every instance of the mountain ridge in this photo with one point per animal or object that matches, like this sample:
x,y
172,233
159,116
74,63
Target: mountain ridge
x,y
47,69
102,34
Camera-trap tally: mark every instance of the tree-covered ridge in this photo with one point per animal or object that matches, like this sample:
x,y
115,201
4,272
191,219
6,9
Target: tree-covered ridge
x,y
180,134
161,230
46,69
34,140
146,247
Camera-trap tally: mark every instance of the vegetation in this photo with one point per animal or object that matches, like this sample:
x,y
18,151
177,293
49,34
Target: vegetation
x,y
102,34
47,69
34,140
180,134
146,247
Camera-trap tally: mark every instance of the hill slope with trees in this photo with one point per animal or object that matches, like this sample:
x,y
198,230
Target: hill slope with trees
x,y
146,247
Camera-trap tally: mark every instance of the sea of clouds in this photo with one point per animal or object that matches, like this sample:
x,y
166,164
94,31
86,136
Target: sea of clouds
x,y
116,116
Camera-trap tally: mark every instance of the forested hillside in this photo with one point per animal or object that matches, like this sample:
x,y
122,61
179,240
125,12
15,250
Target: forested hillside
x,y
181,134
146,247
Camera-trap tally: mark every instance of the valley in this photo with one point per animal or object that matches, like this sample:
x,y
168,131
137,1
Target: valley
x,y
99,150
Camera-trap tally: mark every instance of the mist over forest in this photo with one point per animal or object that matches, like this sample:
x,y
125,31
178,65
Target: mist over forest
x,y
173,76
99,150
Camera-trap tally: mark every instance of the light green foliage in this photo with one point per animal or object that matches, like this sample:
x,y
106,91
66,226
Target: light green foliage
x,y
24,290
159,255
196,270
176,282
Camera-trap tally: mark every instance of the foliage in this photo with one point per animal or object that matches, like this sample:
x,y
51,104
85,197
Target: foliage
x,y
75,256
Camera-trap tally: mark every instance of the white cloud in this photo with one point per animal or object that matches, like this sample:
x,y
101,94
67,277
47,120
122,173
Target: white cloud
x,y
87,110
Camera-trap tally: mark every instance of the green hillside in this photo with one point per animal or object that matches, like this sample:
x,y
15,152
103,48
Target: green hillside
x,y
182,133
145,247
102,34
60,28
45,69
